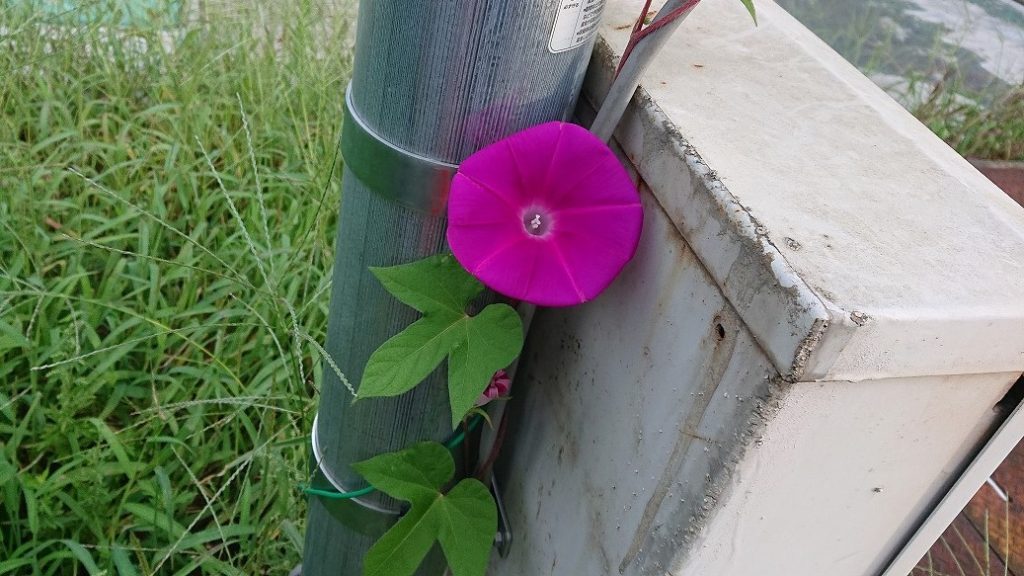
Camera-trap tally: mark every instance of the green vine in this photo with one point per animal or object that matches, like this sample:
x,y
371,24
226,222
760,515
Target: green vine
x,y
463,519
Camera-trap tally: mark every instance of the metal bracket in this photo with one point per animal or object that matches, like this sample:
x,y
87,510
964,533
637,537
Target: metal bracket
x,y
410,179
503,539
333,480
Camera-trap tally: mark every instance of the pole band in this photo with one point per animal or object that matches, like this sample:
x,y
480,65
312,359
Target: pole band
x,y
405,177
337,484
339,492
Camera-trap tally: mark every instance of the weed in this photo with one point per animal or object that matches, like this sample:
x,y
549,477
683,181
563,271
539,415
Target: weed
x,y
992,132
982,545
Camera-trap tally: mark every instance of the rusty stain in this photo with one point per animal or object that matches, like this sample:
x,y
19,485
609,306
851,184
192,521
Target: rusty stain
x,y
803,352
696,436
539,499
557,397
684,257
719,328
752,417
827,294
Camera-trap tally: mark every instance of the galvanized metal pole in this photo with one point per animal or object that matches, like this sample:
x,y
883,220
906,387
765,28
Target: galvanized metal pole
x,y
433,82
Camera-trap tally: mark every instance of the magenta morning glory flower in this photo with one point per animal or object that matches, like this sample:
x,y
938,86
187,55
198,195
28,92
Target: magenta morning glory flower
x,y
547,215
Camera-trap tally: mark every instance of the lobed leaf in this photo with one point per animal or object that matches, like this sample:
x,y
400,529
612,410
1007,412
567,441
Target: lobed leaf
x,y
492,341
469,522
409,357
433,284
463,521
476,346
402,548
416,472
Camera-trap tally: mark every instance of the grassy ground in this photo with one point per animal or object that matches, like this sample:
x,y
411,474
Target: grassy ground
x,y
166,220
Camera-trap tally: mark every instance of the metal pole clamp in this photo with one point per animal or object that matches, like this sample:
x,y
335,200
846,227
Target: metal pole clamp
x,y
410,179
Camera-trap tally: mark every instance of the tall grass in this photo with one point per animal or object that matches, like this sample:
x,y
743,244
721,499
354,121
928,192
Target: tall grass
x,y
167,206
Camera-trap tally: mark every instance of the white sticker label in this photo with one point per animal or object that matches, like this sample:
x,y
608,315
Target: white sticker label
x,y
576,23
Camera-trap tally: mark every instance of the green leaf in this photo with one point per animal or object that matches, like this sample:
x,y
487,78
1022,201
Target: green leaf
x,y
11,337
148,516
111,438
402,548
467,531
122,562
418,471
463,521
432,284
84,557
493,340
410,356
477,346
750,8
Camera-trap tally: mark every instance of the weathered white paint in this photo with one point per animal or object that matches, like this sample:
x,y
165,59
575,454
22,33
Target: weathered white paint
x,y
611,440
864,205
843,473
862,276
980,471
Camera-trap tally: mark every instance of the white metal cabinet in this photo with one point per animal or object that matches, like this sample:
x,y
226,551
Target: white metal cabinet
x,y
869,284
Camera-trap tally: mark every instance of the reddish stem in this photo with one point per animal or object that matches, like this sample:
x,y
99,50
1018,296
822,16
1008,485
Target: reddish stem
x,y
639,32
499,438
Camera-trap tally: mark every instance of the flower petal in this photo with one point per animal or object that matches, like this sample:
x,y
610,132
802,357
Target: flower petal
x,y
515,167
473,204
530,270
492,168
588,173
532,151
596,243
473,246
479,222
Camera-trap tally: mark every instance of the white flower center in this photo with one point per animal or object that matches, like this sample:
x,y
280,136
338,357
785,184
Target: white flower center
x,y
536,222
